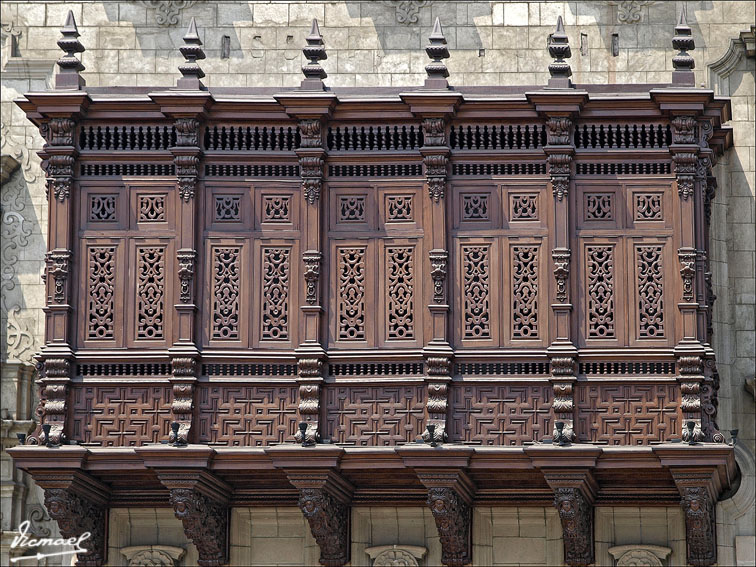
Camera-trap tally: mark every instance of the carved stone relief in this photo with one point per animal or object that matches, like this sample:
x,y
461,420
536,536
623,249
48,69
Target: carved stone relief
x,y
632,555
396,555
168,12
153,555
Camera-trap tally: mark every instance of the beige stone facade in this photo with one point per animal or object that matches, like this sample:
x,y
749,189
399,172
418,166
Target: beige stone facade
x,y
135,43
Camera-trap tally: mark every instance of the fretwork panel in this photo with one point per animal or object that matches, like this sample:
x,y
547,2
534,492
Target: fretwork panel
x,y
377,416
121,416
500,415
630,414
247,416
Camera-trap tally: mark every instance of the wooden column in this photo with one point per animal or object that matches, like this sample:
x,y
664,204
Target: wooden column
x,y
188,109
560,109
436,110
312,112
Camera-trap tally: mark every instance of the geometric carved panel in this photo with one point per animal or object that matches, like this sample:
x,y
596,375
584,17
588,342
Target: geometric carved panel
x,y
121,416
500,415
628,414
247,416
377,416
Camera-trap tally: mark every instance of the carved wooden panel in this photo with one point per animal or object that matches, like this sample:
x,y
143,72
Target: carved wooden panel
x,y
598,206
120,416
628,414
374,416
275,296
525,267
276,209
151,208
650,290
512,414
103,277
477,208
400,208
400,285
353,209
102,207
476,286
151,280
648,206
247,416
351,320
523,207
227,208
228,289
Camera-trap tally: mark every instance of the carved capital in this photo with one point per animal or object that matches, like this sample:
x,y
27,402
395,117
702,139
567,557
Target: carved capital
x,y
438,261
558,130
561,258
434,132
309,132
683,129
187,132
61,131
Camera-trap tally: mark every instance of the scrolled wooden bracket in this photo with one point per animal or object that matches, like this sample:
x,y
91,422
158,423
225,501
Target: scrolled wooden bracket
x,y
698,501
574,495
324,499
450,495
200,501
78,503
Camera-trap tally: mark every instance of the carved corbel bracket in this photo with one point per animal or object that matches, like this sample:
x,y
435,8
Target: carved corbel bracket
x,y
324,499
182,405
200,501
574,495
698,501
450,495
563,406
78,503
310,374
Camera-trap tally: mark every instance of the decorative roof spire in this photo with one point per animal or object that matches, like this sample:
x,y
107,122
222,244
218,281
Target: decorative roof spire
x,y
192,52
683,63
70,66
559,49
437,51
315,52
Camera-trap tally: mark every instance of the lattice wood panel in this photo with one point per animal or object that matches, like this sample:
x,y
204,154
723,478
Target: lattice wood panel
x,y
121,416
375,416
629,414
500,414
247,416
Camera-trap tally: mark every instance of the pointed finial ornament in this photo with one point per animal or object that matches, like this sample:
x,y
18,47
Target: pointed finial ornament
x,y
437,51
683,63
192,52
315,52
69,65
559,49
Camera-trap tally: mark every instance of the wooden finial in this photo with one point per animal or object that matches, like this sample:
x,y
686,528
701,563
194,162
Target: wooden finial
x,y
559,49
315,52
69,65
437,51
192,52
683,63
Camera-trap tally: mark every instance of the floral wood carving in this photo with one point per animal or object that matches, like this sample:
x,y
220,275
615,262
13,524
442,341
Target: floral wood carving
x,y
576,515
311,170
559,171
58,262
453,517
187,170
434,130
687,257
329,523
309,130
75,515
205,522
168,12
685,170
